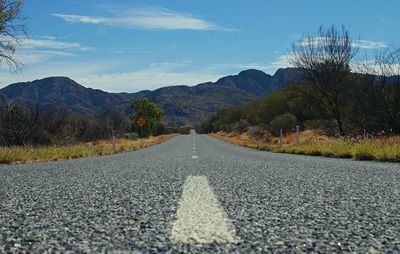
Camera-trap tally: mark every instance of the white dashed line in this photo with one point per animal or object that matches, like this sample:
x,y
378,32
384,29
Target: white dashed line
x,y
200,218
194,152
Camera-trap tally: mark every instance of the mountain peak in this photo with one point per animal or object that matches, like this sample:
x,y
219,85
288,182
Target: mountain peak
x,y
252,73
181,104
56,80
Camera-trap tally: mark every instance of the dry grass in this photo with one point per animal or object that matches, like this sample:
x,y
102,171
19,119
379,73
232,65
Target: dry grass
x,y
17,155
312,143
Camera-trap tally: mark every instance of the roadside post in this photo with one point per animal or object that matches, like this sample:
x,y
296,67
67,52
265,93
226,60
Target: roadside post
x,y
113,140
297,134
281,137
141,122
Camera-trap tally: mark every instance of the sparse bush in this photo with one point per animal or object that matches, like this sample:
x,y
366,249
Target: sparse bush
x,y
131,136
285,122
327,127
256,132
160,129
184,130
42,138
240,126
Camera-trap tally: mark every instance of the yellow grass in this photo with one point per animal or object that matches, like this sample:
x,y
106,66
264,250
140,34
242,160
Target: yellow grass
x,y
17,155
311,143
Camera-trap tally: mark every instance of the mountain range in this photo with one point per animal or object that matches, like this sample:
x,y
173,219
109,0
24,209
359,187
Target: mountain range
x,y
182,105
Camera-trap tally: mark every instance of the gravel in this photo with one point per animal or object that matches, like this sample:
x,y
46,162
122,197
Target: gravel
x,y
128,202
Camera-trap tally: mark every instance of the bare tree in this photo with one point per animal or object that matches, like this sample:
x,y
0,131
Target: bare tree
x,y
325,62
11,27
17,123
6,107
382,81
113,121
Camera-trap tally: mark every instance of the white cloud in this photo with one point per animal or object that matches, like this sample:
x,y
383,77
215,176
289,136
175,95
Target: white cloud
x,y
362,44
144,80
97,75
369,44
282,61
82,19
150,18
40,49
364,66
372,67
39,56
49,43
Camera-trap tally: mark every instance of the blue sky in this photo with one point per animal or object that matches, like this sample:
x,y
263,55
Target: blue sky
x,y
135,45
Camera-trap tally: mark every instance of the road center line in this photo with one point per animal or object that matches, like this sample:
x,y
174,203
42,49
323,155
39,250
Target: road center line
x,y
195,157
200,218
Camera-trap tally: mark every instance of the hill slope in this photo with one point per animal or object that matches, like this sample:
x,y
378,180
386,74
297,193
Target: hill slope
x,y
182,104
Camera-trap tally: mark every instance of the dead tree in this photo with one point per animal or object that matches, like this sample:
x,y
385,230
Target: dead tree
x,y
325,62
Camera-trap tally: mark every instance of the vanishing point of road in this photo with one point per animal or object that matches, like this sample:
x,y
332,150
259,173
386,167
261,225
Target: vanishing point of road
x,y
195,194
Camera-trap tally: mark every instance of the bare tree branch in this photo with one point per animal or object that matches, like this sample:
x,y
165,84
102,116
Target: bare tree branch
x,y
11,27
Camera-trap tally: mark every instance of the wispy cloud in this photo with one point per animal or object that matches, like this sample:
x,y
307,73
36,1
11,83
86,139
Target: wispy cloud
x,y
150,18
282,61
50,43
369,44
362,44
38,56
98,75
40,49
144,79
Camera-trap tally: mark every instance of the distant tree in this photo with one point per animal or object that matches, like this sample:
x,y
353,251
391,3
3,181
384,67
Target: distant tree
x,y
239,126
113,120
273,105
378,104
208,125
286,122
18,124
232,115
149,111
65,128
256,132
11,26
325,61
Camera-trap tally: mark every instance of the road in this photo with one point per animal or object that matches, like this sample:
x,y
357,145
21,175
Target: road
x,y
194,194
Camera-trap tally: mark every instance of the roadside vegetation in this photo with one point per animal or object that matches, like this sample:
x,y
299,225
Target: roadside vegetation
x,y
17,155
31,134
353,105
311,143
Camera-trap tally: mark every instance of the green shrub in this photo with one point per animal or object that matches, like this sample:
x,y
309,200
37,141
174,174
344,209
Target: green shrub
x,y
131,136
285,122
184,130
327,127
256,132
42,138
240,126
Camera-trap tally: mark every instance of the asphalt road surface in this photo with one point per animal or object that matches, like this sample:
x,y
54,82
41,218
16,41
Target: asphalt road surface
x,y
194,194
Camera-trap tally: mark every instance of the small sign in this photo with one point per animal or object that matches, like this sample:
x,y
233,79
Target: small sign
x,y
141,122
